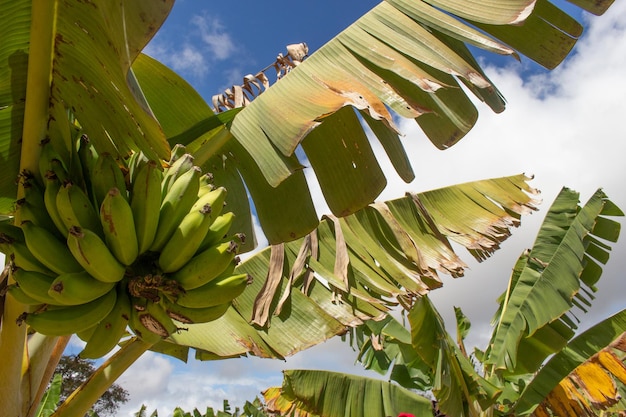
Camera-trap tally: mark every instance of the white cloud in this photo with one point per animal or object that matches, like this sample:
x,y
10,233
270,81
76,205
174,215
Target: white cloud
x,y
194,54
214,36
190,59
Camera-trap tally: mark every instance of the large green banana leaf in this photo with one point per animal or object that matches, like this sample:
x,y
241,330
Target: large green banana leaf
x,y
352,270
551,279
331,394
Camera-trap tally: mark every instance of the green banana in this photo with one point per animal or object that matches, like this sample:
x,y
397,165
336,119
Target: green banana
x,y
76,209
145,204
49,250
175,171
10,232
53,185
156,319
77,288
189,315
17,252
135,163
218,230
88,157
32,207
218,291
20,296
51,160
188,236
118,225
107,334
107,174
214,198
35,285
28,212
176,153
206,184
66,320
206,265
92,253
87,154
87,333
135,324
176,204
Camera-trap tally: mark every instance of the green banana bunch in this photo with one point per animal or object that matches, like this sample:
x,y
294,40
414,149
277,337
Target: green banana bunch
x,y
94,256
65,320
206,266
218,291
118,224
104,336
190,233
145,204
77,288
109,243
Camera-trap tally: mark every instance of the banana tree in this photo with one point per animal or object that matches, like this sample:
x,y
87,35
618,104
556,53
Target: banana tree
x,y
84,59
533,364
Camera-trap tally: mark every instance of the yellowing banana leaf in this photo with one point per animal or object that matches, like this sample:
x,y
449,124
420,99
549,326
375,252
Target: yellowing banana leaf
x,y
331,394
585,376
403,57
351,270
547,282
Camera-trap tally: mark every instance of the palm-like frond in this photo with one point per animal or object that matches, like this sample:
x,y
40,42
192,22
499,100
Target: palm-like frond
x,y
547,281
353,269
587,376
331,394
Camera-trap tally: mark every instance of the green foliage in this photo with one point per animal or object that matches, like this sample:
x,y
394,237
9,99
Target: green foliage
x,y
250,409
73,371
51,397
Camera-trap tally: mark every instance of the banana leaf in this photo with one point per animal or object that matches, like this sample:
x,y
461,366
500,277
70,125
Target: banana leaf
x,y
330,394
548,280
593,349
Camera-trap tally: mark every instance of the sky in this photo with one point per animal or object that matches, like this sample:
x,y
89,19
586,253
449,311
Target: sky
x,y
564,127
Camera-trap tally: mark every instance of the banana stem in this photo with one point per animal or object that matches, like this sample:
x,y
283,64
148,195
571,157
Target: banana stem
x,y
49,351
85,396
